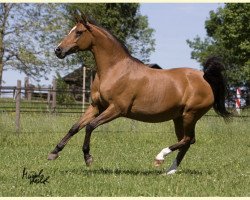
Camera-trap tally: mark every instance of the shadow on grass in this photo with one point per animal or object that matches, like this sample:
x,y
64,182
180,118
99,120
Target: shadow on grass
x,y
194,172
106,171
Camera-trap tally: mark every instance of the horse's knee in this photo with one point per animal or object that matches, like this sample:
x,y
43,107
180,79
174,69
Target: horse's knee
x,y
74,129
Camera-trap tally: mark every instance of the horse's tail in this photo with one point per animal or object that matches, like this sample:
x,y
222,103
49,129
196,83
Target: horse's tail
x,y
213,68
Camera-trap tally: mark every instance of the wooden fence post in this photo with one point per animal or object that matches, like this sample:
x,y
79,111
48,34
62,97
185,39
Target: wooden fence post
x,y
83,88
54,96
48,98
28,92
91,81
49,93
18,101
91,77
26,85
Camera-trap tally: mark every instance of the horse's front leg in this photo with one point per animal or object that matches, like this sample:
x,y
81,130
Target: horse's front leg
x,y
109,114
88,116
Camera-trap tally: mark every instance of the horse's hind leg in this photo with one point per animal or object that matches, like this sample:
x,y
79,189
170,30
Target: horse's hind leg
x,y
179,131
184,128
188,129
178,159
88,116
183,150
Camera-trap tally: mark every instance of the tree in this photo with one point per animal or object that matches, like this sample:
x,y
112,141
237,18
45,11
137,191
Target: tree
x,y
63,96
228,36
26,34
124,21
30,32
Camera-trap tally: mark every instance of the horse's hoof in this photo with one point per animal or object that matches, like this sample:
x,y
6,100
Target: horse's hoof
x,y
173,171
88,160
53,156
157,163
193,141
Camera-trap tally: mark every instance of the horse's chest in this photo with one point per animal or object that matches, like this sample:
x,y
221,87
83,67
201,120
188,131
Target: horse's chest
x,y
107,92
117,94
105,97
100,97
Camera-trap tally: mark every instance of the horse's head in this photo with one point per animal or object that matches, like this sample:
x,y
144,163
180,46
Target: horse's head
x,y
78,39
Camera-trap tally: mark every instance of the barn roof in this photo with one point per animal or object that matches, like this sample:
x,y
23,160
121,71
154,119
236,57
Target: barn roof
x,y
74,77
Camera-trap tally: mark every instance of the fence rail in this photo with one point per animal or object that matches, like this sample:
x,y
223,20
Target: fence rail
x,y
30,99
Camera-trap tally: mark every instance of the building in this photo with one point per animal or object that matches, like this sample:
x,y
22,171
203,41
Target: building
x,y
75,81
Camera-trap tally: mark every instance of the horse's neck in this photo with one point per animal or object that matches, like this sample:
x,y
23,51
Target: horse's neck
x,y
107,52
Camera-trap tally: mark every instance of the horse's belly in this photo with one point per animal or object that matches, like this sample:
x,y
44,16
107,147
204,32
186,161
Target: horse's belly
x,y
156,115
157,108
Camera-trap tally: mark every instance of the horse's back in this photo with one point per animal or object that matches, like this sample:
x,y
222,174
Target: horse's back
x,y
166,94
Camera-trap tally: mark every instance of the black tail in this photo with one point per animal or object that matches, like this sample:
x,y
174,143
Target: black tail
x,y
213,68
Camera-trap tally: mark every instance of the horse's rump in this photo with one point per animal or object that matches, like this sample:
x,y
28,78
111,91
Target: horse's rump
x,y
165,94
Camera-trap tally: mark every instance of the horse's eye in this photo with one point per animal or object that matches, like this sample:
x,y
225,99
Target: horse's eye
x,y
78,33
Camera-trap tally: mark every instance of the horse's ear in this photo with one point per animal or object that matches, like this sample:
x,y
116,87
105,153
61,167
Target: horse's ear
x,y
76,16
80,17
84,20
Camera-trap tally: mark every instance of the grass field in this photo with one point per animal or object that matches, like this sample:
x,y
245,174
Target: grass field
x,y
123,150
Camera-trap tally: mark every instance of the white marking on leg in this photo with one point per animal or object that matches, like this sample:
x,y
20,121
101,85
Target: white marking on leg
x,y
164,152
173,168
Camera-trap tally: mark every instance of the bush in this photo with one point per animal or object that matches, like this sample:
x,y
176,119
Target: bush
x,y
63,96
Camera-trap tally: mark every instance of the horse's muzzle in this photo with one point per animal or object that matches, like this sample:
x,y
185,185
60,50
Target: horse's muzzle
x,y
59,52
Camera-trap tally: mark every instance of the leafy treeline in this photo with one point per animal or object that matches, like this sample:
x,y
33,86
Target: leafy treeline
x,y
124,21
30,32
228,36
27,36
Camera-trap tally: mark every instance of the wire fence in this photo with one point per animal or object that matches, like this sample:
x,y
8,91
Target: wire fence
x,y
43,99
51,99
30,99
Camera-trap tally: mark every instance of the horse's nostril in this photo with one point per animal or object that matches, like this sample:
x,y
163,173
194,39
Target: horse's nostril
x,y
58,50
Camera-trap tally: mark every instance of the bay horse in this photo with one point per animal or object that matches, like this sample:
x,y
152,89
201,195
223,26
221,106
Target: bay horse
x,y
125,87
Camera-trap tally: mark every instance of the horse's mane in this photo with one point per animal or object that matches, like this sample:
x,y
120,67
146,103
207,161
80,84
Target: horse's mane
x,y
112,36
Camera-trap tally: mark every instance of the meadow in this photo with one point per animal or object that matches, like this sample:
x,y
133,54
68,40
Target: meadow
x,y
123,150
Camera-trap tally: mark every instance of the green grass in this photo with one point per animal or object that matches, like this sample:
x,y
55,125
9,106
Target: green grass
x,y
124,150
